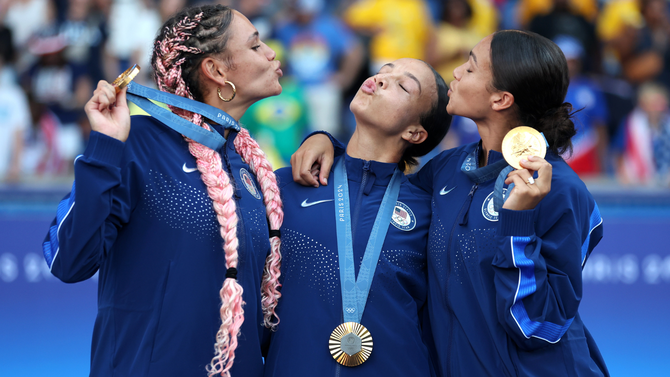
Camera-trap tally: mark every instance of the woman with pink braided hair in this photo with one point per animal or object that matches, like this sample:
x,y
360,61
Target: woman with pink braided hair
x,y
184,237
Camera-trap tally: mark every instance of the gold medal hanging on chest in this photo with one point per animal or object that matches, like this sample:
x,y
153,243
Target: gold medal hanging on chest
x,y
126,77
350,344
521,142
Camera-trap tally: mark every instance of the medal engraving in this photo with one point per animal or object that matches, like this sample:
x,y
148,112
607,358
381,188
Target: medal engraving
x,y
521,142
126,77
350,344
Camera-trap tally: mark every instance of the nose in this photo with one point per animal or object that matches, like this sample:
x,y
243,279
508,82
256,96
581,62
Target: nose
x,y
380,80
458,72
271,53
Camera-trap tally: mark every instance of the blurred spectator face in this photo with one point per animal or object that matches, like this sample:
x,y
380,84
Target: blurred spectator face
x,y
396,97
78,10
254,70
653,101
562,5
168,8
457,12
654,11
469,94
573,51
306,10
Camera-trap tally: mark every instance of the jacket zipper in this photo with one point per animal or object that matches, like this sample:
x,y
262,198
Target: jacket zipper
x,y
359,200
463,219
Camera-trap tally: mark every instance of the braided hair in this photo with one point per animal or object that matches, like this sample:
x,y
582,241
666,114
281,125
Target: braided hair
x,y
184,41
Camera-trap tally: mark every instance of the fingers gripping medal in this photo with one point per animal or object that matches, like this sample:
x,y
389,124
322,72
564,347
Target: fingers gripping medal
x,y
521,142
126,77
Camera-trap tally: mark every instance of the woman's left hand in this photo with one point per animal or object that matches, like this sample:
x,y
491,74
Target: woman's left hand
x,y
528,192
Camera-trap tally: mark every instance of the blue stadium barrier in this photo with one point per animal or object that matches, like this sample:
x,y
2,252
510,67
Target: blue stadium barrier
x,y
46,325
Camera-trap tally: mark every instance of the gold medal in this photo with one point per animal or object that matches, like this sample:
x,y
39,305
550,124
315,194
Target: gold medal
x,y
350,344
521,142
126,77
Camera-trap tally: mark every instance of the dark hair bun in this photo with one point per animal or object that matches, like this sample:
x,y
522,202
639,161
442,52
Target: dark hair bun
x,y
558,128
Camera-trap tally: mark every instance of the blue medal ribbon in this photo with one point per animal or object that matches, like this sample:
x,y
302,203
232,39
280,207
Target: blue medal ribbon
x,y
140,95
499,169
355,291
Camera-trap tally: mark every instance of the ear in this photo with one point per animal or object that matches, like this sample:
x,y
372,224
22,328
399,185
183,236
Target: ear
x,y
501,101
214,70
415,134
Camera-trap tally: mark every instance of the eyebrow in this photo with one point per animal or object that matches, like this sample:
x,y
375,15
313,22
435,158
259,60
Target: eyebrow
x,y
474,58
408,74
253,36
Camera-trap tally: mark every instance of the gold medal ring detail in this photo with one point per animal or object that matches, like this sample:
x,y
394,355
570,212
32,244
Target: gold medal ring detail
x,y
218,90
521,142
126,77
350,344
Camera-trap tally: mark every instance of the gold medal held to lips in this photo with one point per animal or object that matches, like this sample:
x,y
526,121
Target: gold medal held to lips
x,y
521,142
350,344
126,77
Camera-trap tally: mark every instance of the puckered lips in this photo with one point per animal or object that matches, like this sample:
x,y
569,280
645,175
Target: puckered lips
x,y
369,86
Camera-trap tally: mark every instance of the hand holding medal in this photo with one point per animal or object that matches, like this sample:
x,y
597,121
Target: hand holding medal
x,y
125,78
524,148
107,110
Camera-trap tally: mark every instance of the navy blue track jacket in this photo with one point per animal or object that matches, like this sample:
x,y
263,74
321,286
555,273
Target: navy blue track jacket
x,y
505,287
139,214
311,303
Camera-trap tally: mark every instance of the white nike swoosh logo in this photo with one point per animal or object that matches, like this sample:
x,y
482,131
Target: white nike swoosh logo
x,y
305,204
442,192
188,170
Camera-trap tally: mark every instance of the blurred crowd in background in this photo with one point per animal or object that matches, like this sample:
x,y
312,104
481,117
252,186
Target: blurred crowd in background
x,y
53,52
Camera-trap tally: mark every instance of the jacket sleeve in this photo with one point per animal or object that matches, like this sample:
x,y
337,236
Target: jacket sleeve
x,y
340,148
538,267
89,217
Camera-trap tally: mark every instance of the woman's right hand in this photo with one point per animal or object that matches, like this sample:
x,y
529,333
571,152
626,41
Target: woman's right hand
x,y
108,111
312,161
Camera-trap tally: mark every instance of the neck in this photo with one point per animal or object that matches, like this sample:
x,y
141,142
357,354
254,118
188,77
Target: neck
x,y
235,110
492,135
373,146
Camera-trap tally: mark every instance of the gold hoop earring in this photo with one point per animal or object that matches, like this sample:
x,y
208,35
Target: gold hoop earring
x,y
218,90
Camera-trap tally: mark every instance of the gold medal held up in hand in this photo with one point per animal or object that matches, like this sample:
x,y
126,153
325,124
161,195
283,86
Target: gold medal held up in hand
x,y
350,344
521,142
126,77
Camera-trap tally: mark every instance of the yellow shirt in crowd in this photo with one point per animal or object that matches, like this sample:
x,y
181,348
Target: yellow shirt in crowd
x,y
400,28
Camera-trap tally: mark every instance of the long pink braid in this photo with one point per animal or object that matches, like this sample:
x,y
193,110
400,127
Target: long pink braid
x,y
167,62
252,153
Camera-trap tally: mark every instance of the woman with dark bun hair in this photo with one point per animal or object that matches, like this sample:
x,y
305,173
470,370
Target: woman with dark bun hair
x,y
505,280
184,235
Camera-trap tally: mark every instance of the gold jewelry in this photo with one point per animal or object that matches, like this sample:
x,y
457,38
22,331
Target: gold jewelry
x,y
521,142
218,90
125,78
